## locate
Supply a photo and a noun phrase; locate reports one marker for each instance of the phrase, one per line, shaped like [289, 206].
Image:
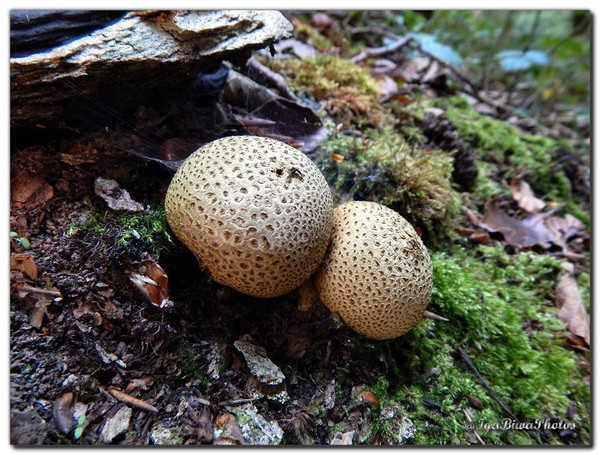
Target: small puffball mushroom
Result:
[377, 274]
[256, 213]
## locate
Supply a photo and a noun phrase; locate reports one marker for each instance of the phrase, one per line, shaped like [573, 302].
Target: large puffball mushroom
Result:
[256, 213]
[377, 274]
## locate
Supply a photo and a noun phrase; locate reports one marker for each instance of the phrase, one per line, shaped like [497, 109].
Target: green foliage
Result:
[23, 241]
[80, 427]
[384, 168]
[481, 35]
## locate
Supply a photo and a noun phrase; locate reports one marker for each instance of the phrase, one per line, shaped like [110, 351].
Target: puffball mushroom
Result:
[377, 274]
[256, 212]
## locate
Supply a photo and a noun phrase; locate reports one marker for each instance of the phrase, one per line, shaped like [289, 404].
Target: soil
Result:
[95, 332]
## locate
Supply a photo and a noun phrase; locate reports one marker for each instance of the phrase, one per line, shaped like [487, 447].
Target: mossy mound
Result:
[512, 152]
[383, 167]
[345, 91]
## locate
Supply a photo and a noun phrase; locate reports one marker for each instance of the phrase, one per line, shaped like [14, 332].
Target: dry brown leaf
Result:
[36, 318]
[564, 228]
[533, 229]
[83, 308]
[572, 309]
[292, 120]
[152, 281]
[25, 263]
[63, 413]
[526, 232]
[296, 47]
[30, 190]
[228, 430]
[523, 194]
[412, 69]
[475, 402]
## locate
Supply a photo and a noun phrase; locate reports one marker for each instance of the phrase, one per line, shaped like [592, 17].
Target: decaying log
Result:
[164, 47]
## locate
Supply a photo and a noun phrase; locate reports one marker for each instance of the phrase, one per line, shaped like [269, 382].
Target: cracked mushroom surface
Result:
[377, 273]
[256, 213]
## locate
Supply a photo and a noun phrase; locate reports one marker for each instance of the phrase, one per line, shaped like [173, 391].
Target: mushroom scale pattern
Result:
[256, 212]
[377, 273]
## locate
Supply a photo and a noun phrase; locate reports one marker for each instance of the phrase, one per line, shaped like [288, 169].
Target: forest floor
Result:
[119, 337]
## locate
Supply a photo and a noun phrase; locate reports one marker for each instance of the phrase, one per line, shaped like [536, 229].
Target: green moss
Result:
[325, 73]
[518, 152]
[383, 167]
[346, 91]
[491, 300]
[150, 225]
[190, 365]
[312, 36]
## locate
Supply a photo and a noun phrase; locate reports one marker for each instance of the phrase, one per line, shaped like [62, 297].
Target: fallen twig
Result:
[132, 401]
[380, 51]
[465, 357]
[474, 432]
[256, 69]
[40, 291]
[236, 402]
[433, 316]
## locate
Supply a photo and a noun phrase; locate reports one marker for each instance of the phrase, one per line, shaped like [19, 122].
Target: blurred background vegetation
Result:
[536, 61]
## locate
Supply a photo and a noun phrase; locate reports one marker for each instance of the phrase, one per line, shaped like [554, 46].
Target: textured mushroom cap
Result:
[377, 274]
[256, 213]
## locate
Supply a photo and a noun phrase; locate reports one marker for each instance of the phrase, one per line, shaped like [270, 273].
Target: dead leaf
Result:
[84, 308]
[412, 69]
[525, 232]
[475, 402]
[564, 228]
[572, 309]
[533, 229]
[139, 383]
[30, 190]
[25, 263]
[116, 197]
[227, 430]
[178, 148]
[36, 318]
[298, 342]
[477, 235]
[294, 121]
[523, 194]
[387, 87]
[63, 413]
[112, 311]
[295, 47]
[368, 397]
[152, 281]
[321, 21]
